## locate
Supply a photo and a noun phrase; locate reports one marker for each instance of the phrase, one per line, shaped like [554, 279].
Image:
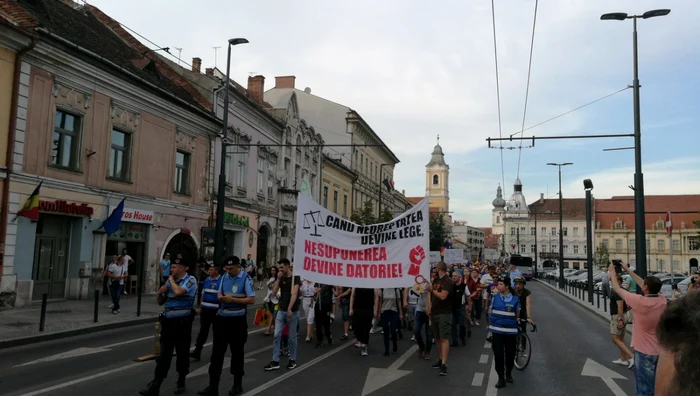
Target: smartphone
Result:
[618, 266]
[674, 286]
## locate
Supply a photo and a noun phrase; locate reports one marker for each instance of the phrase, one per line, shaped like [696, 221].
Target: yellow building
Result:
[336, 192]
[437, 184]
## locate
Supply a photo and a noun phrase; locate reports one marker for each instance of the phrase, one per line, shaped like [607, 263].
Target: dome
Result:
[438, 157]
[517, 202]
[499, 202]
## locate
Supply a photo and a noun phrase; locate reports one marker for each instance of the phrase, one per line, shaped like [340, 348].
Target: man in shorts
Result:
[440, 312]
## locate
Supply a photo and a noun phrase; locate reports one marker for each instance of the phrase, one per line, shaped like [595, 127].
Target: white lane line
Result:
[487, 345]
[227, 363]
[484, 359]
[127, 342]
[478, 379]
[493, 378]
[79, 380]
[299, 369]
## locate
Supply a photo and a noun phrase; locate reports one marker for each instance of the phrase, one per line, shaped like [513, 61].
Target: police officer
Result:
[209, 306]
[236, 291]
[178, 295]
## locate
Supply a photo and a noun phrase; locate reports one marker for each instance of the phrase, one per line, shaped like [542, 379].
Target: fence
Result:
[578, 289]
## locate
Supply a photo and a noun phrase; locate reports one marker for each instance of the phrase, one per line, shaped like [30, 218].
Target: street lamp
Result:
[379, 212]
[221, 189]
[639, 223]
[561, 224]
[588, 186]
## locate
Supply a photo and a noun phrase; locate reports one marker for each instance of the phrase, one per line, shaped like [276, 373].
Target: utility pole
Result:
[561, 224]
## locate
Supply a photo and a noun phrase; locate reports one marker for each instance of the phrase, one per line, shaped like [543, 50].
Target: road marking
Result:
[79, 380]
[594, 369]
[378, 378]
[227, 362]
[493, 378]
[487, 345]
[128, 342]
[65, 355]
[484, 359]
[303, 367]
[478, 379]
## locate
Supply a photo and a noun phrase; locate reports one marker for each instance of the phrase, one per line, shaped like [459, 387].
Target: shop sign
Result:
[130, 232]
[136, 215]
[71, 208]
[235, 219]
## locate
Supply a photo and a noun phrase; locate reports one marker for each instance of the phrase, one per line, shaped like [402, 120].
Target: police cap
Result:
[231, 260]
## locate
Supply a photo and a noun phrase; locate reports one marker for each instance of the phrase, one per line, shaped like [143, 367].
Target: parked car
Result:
[666, 288]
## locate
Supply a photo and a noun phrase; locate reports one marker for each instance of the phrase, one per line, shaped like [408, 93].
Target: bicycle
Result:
[523, 347]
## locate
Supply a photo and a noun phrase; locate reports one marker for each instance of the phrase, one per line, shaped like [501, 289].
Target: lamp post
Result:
[221, 189]
[588, 186]
[639, 224]
[379, 207]
[561, 224]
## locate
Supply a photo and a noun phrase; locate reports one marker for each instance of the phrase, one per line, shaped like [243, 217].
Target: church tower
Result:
[437, 176]
[499, 208]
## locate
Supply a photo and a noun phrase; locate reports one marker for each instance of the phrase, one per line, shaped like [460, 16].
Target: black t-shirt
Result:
[364, 299]
[325, 296]
[286, 293]
[457, 297]
[524, 295]
[438, 306]
[614, 298]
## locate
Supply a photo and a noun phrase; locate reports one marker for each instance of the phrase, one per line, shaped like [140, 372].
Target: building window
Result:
[522, 230]
[533, 230]
[661, 245]
[345, 204]
[261, 176]
[522, 248]
[618, 245]
[648, 245]
[335, 201]
[554, 249]
[693, 243]
[606, 243]
[325, 197]
[66, 139]
[633, 262]
[512, 231]
[436, 180]
[544, 231]
[554, 231]
[182, 172]
[575, 231]
[565, 248]
[229, 163]
[498, 219]
[676, 245]
[533, 248]
[120, 155]
[661, 264]
[544, 249]
[585, 249]
[270, 185]
[632, 245]
[575, 248]
[565, 230]
[241, 169]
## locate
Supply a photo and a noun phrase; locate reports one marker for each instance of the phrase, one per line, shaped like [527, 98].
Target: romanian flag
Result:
[30, 209]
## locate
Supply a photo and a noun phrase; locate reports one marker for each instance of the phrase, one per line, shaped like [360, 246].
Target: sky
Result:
[417, 69]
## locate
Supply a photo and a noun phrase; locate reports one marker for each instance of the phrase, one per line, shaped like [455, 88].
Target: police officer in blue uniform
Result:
[503, 324]
[209, 305]
[178, 295]
[236, 292]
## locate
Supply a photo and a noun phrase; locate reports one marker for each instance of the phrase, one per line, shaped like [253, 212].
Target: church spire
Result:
[438, 157]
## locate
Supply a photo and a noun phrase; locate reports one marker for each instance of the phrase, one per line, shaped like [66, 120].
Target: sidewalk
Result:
[67, 318]
[581, 298]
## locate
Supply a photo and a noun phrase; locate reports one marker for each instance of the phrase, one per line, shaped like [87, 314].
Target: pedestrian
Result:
[421, 320]
[308, 298]
[440, 313]
[322, 313]
[364, 303]
[649, 308]
[504, 312]
[605, 282]
[178, 295]
[288, 313]
[164, 268]
[209, 305]
[461, 304]
[236, 291]
[473, 283]
[116, 272]
[391, 307]
[619, 318]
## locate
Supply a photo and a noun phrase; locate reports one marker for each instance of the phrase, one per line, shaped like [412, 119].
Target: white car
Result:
[666, 288]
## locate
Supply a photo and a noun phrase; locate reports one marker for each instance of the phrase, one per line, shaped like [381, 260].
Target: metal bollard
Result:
[605, 303]
[97, 305]
[42, 318]
[156, 346]
[598, 294]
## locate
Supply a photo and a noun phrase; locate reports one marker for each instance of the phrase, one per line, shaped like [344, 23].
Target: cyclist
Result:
[525, 296]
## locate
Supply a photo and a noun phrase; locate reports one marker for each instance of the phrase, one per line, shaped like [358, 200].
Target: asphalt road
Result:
[568, 335]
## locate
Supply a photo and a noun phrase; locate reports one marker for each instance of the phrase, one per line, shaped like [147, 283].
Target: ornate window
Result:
[436, 180]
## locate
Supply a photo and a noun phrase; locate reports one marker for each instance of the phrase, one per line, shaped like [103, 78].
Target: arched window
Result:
[436, 180]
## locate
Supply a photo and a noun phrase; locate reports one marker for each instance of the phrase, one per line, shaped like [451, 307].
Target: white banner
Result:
[454, 256]
[434, 258]
[331, 250]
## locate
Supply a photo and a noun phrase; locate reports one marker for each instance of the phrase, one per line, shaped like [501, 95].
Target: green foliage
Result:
[439, 231]
[365, 216]
[385, 216]
[601, 258]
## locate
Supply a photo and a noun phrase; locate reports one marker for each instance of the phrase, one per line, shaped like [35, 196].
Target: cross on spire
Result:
[438, 139]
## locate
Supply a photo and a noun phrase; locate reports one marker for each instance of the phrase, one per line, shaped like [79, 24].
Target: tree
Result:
[439, 231]
[385, 216]
[364, 216]
[601, 258]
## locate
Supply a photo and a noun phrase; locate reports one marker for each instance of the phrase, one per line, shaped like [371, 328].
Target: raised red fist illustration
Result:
[416, 256]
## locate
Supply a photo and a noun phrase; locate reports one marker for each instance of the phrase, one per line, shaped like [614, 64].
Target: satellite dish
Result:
[307, 90]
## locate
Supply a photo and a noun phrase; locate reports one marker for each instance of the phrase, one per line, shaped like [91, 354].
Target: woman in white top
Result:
[270, 300]
[308, 295]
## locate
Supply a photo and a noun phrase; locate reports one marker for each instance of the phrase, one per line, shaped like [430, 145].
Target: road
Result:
[568, 336]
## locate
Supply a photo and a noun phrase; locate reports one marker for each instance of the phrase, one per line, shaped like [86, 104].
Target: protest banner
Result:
[332, 250]
[435, 258]
[454, 256]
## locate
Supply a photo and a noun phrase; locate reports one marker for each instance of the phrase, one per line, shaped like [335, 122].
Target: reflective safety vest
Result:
[502, 317]
[210, 291]
[180, 306]
[234, 287]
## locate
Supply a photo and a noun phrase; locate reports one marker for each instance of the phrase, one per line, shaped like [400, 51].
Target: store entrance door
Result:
[51, 256]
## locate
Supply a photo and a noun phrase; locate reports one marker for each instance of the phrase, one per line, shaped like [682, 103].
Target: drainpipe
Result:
[5, 210]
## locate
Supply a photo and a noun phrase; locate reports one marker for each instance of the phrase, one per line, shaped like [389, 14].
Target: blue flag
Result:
[111, 225]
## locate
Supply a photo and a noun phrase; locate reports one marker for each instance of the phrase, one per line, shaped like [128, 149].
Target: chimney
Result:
[285, 81]
[196, 65]
[541, 197]
[256, 88]
[209, 71]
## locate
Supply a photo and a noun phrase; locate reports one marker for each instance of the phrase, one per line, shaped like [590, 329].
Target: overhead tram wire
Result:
[498, 88]
[527, 86]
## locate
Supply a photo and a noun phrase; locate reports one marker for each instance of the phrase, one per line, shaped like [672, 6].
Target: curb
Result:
[20, 341]
[586, 305]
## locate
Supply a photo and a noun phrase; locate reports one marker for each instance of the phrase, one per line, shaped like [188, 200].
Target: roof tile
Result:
[684, 210]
